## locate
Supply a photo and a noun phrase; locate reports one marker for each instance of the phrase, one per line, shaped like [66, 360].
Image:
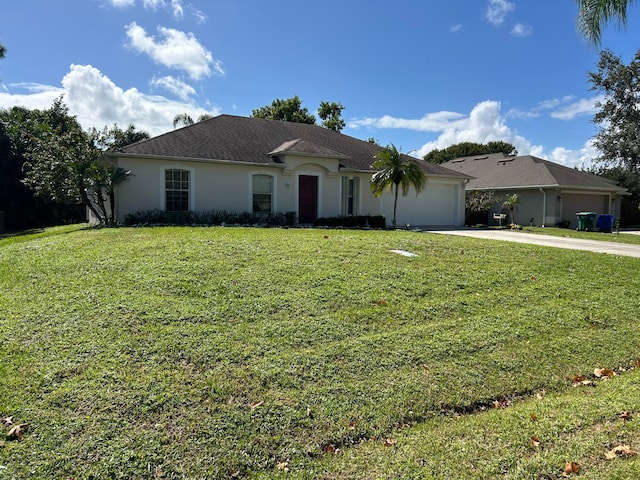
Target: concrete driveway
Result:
[598, 246]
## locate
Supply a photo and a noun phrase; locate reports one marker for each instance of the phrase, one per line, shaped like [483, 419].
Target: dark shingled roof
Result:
[304, 148]
[255, 140]
[499, 170]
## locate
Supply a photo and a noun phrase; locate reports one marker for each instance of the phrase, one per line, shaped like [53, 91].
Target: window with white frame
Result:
[176, 188]
[262, 193]
[350, 195]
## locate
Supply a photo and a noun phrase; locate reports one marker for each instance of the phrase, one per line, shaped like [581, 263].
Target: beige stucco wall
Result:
[226, 186]
[214, 187]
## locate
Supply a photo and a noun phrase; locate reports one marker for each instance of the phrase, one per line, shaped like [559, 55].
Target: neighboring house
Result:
[245, 164]
[550, 194]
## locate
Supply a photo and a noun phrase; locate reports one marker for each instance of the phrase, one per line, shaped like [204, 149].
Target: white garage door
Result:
[437, 204]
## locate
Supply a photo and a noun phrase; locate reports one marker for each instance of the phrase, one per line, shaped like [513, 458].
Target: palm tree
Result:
[115, 176]
[512, 202]
[594, 14]
[396, 170]
[184, 119]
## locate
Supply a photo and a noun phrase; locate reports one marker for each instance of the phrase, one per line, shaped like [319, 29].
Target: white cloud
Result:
[483, 124]
[431, 122]
[565, 108]
[497, 11]
[97, 101]
[178, 10]
[29, 95]
[579, 108]
[153, 4]
[201, 17]
[522, 114]
[521, 30]
[581, 158]
[175, 49]
[455, 28]
[554, 102]
[179, 88]
[122, 3]
[176, 6]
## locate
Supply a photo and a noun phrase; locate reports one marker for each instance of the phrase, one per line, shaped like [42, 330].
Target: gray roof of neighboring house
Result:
[501, 171]
[255, 140]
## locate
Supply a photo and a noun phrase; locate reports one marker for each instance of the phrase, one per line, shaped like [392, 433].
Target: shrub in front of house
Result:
[356, 221]
[379, 222]
[212, 217]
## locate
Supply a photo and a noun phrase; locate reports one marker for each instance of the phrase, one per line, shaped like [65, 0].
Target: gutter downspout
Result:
[544, 205]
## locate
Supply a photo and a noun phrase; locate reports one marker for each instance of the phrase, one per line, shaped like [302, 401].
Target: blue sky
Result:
[416, 73]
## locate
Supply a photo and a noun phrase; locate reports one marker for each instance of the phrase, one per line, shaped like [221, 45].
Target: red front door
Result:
[307, 198]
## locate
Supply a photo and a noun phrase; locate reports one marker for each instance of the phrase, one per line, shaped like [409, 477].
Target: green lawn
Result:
[303, 353]
[600, 236]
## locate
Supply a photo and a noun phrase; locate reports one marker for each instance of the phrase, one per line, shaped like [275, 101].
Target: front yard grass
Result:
[259, 353]
[570, 233]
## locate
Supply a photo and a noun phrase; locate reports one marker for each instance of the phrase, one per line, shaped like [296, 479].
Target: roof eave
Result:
[617, 190]
[191, 159]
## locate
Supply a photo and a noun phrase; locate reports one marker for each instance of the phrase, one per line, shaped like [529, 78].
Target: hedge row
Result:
[357, 221]
[214, 217]
[221, 217]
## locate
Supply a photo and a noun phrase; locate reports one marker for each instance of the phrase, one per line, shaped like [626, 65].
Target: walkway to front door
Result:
[307, 198]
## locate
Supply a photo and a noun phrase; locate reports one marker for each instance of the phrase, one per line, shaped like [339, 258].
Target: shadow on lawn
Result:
[25, 235]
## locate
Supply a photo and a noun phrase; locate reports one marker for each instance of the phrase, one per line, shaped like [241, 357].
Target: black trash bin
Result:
[585, 220]
[605, 223]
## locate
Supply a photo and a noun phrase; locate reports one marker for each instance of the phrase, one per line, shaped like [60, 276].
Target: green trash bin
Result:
[585, 220]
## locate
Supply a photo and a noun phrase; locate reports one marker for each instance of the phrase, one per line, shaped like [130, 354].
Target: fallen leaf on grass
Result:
[256, 405]
[501, 403]
[603, 372]
[352, 425]
[331, 449]
[284, 466]
[16, 432]
[389, 442]
[579, 380]
[626, 416]
[570, 468]
[7, 420]
[620, 451]
[533, 417]
[535, 441]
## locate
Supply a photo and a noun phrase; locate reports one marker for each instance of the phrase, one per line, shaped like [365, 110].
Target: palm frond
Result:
[593, 15]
